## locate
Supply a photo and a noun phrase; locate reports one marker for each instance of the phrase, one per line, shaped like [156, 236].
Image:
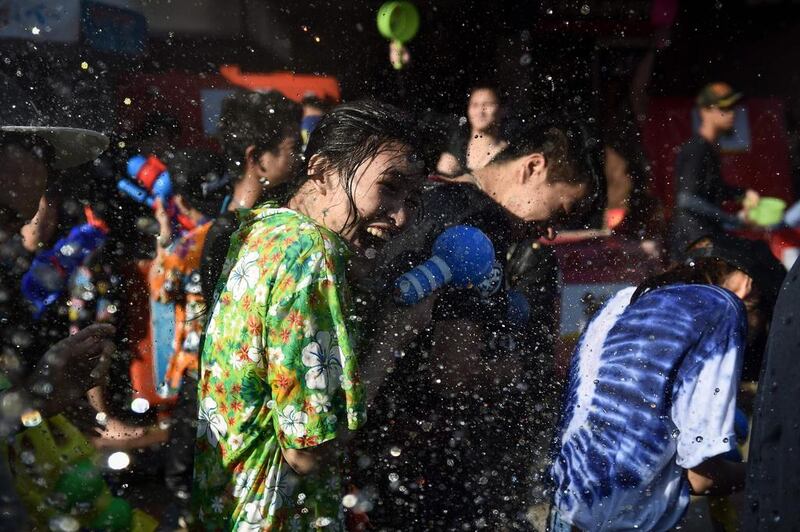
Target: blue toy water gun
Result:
[150, 181]
[50, 270]
[462, 255]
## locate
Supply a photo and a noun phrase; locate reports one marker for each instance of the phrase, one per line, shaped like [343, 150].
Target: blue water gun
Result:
[50, 270]
[150, 181]
[462, 255]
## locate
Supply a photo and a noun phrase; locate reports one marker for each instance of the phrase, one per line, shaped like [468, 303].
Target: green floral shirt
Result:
[278, 372]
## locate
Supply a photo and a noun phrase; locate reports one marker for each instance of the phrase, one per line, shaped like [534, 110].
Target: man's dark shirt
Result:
[464, 449]
[215, 250]
[698, 175]
[773, 472]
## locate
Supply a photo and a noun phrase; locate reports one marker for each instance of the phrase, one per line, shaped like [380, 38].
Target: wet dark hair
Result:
[706, 270]
[567, 151]
[259, 119]
[353, 133]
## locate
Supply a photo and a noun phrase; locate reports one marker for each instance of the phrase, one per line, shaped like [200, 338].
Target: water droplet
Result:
[119, 460]
[31, 418]
[140, 405]
[349, 500]
[395, 451]
[698, 439]
[64, 523]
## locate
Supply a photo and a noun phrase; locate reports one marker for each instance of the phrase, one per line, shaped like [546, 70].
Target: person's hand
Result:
[71, 367]
[164, 223]
[751, 199]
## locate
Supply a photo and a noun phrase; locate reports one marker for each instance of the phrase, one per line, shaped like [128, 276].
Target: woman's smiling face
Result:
[381, 189]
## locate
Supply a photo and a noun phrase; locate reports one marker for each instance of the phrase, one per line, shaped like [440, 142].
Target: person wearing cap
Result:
[36, 385]
[699, 187]
[651, 394]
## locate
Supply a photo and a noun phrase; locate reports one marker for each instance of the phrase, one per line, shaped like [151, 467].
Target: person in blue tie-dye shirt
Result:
[651, 395]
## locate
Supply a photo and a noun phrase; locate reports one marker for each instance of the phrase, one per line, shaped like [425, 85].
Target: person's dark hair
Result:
[323, 104]
[353, 133]
[196, 176]
[258, 119]
[486, 86]
[706, 270]
[567, 151]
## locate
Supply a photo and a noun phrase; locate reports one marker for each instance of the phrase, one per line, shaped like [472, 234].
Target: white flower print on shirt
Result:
[275, 355]
[320, 402]
[256, 352]
[235, 441]
[293, 421]
[278, 488]
[253, 517]
[324, 360]
[211, 423]
[244, 275]
[244, 483]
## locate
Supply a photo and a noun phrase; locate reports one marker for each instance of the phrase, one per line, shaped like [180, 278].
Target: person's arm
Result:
[64, 373]
[312, 369]
[705, 209]
[717, 476]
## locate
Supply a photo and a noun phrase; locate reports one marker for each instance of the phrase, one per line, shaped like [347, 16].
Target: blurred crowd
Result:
[226, 340]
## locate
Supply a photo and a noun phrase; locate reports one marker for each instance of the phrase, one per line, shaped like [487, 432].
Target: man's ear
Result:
[533, 166]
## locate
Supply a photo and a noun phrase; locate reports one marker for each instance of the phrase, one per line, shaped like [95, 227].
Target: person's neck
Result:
[246, 192]
[302, 203]
[708, 132]
[488, 135]
[489, 180]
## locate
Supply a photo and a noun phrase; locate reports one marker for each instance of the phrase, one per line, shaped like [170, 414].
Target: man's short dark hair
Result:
[567, 150]
[259, 119]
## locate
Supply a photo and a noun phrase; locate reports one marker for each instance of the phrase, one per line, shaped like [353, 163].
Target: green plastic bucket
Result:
[398, 21]
[768, 211]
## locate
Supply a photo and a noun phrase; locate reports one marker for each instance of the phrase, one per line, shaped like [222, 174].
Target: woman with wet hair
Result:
[280, 373]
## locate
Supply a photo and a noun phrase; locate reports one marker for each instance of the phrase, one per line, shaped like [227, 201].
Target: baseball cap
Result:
[753, 257]
[718, 94]
[21, 114]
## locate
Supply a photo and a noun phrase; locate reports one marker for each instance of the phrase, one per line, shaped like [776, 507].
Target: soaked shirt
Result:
[651, 392]
[279, 371]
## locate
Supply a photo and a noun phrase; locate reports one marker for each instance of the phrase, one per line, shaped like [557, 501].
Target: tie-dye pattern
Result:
[651, 391]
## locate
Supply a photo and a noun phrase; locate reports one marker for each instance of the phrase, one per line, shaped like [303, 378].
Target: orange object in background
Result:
[614, 217]
[193, 99]
[293, 86]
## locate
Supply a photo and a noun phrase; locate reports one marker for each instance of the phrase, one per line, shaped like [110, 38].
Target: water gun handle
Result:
[413, 286]
[137, 193]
